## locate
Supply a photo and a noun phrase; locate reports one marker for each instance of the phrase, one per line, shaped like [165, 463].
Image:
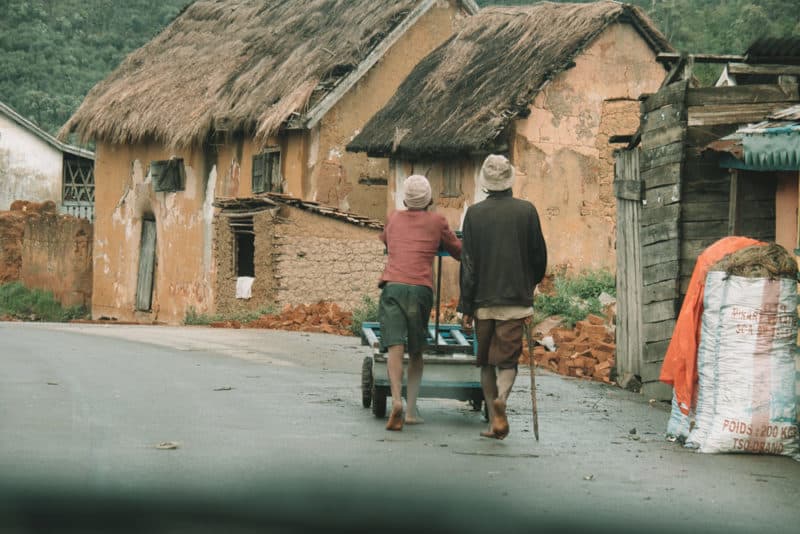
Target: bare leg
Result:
[394, 368]
[505, 381]
[415, 366]
[489, 386]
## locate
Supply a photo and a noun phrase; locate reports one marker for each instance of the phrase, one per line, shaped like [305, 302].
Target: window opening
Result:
[78, 180]
[244, 246]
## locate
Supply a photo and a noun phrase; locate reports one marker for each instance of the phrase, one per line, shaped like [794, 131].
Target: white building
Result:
[36, 166]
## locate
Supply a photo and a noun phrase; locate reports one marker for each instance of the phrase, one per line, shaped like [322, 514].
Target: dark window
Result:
[267, 172]
[168, 175]
[244, 246]
[452, 182]
[147, 264]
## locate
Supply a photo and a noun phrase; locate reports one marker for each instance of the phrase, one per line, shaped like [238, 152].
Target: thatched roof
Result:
[461, 97]
[238, 65]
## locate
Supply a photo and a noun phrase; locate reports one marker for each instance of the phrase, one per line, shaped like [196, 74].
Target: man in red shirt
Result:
[412, 238]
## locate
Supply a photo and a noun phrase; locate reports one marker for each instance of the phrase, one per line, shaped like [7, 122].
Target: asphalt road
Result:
[269, 426]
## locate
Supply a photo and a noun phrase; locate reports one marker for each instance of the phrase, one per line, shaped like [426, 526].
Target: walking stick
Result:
[529, 328]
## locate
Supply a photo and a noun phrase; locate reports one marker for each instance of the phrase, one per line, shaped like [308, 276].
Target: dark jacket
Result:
[504, 254]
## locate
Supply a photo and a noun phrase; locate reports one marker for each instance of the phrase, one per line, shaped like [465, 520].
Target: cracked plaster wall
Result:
[561, 151]
[184, 274]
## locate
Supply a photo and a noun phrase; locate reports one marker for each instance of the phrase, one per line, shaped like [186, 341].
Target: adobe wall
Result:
[334, 173]
[57, 256]
[184, 272]
[263, 289]
[12, 231]
[320, 258]
[561, 152]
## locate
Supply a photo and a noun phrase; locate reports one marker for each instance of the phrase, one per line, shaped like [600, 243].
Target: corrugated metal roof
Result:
[770, 145]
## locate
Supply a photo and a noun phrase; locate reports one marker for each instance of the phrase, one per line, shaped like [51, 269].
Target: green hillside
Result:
[53, 51]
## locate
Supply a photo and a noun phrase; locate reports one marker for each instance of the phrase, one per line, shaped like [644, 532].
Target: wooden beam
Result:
[732, 113]
[733, 206]
[741, 94]
[761, 69]
[672, 57]
[672, 94]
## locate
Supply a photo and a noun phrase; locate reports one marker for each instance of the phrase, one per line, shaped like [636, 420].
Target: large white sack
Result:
[746, 367]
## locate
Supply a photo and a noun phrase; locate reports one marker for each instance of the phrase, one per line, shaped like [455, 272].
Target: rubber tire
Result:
[366, 382]
[378, 403]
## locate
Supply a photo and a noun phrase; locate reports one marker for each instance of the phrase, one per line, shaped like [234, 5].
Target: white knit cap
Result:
[497, 173]
[417, 192]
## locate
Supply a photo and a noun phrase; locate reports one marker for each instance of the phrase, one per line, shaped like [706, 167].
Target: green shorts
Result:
[403, 312]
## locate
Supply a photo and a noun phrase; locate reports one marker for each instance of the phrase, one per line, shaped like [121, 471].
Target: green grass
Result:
[194, 318]
[19, 302]
[575, 296]
[366, 312]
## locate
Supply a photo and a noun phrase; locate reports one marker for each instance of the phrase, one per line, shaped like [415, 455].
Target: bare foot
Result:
[395, 418]
[411, 420]
[500, 423]
[489, 434]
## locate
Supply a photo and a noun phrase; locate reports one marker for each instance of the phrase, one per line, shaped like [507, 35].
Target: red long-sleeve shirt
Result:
[412, 239]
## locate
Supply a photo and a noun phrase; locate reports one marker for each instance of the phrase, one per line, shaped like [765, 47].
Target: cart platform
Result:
[450, 370]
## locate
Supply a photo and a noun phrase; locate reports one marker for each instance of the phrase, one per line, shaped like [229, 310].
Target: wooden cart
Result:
[449, 358]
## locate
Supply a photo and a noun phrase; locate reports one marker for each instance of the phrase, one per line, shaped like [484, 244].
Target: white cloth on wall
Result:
[244, 287]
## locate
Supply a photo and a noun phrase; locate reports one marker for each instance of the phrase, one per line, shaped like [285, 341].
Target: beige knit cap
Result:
[417, 192]
[497, 173]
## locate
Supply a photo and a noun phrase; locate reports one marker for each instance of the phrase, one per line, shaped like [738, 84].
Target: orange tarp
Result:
[680, 363]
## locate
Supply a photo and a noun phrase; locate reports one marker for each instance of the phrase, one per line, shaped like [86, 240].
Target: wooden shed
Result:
[674, 198]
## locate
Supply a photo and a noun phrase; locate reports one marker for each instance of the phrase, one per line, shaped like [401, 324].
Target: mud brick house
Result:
[236, 98]
[688, 179]
[291, 251]
[37, 167]
[546, 85]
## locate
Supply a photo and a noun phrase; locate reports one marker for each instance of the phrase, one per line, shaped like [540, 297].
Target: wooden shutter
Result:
[275, 171]
[259, 173]
[147, 263]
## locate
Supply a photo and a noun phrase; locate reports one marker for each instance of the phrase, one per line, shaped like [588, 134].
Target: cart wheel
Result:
[476, 404]
[378, 402]
[366, 382]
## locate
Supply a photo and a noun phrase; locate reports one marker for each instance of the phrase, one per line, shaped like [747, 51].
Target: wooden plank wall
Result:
[713, 112]
[663, 137]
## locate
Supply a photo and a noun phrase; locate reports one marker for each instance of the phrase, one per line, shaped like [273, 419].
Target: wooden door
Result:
[147, 263]
[628, 190]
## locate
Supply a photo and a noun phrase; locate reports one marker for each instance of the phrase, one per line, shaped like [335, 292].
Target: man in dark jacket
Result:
[503, 258]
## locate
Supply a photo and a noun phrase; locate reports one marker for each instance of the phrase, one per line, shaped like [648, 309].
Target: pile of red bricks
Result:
[587, 351]
[323, 317]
